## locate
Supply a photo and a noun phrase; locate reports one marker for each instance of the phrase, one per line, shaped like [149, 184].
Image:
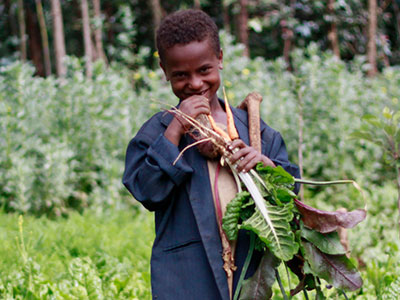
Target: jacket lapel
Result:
[200, 195]
[201, 200]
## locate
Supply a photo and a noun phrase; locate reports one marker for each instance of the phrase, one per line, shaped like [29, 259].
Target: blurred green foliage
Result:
[105, 254]
[128, 26]
[63, 141]
[96, 255]
[62, 148]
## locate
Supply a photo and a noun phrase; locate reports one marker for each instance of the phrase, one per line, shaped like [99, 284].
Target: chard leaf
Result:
[276, 185]
[337, 270]
[326, 242]
[324, 221]
[261, 208]
[232, 214]
[283, 245]
[285, 195]
[276, 175]
[258, 287]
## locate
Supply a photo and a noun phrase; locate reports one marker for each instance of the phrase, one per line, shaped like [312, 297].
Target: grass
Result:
[113, 247]
[106, 254]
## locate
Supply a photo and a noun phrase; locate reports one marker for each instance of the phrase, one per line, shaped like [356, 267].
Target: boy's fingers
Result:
[237, 144]
[196, 100]
[244, 157]
[195, 105]
[248, 162]
[238, 157]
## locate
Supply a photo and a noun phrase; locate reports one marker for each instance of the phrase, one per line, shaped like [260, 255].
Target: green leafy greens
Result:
[299, 235]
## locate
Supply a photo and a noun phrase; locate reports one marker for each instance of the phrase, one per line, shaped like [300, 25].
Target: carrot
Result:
[233, 134]
[217, 129]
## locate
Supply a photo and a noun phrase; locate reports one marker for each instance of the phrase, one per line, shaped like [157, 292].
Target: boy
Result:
[186, 258]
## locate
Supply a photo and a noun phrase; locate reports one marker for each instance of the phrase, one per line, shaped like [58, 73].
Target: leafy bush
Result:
[89, 256]
[331, 97]
[63, 141]
[111, 249]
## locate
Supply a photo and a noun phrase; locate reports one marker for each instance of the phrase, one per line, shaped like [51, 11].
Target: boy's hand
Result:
[247, 157]
[191, 106]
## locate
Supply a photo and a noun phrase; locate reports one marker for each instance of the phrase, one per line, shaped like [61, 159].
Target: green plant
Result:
[384, 131]
[302, 237]
[63, 143]
[97, 255]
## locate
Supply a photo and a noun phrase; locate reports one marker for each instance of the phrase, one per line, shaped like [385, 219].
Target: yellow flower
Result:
[137, 76]
[227, 83]
[152, 75]
[395, 100]
[230, 95]
[245, 72]
[384, 90]
[387, 113]
[153, 106]
[155, 54]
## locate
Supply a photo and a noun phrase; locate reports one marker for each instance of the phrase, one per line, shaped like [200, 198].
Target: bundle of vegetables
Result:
[304, 238]
[289, 231]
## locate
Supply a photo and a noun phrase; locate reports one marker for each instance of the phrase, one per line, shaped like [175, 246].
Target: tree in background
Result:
[98, 31]
[225, 15]
[243, 27]
[396, 10]
[44, 37]
[87, 41]
[267, 28]
[288, 34]
[372, 23]
[22, 29]
[58, 38]
[157, 14]
[332, 33]
[35, 49]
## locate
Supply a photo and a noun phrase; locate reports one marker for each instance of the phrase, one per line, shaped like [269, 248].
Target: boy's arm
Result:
[149, 174]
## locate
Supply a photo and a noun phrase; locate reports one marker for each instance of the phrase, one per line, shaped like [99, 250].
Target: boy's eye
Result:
[179, 75]
[205, 69]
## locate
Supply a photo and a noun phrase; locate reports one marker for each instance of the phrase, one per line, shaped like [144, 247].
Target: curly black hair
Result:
[185, 26]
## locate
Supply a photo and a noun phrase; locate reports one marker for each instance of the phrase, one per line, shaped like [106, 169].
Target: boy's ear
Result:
[220, 58]
[163, 68]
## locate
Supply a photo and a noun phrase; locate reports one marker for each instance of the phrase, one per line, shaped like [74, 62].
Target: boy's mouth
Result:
[202, 93]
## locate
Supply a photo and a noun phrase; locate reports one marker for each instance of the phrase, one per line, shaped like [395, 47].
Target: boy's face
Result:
[193, 69]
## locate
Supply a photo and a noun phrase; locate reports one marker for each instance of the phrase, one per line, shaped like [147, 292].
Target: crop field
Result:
[96, 255]
[69, 229]
[106, 254]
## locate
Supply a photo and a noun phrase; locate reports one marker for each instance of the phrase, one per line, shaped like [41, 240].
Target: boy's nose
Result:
[195, 82]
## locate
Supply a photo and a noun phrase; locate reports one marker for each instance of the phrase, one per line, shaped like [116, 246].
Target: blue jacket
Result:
[186, 260]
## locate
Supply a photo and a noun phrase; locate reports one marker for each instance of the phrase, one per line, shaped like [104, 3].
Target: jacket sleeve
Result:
[275, 149]
[150, 175]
